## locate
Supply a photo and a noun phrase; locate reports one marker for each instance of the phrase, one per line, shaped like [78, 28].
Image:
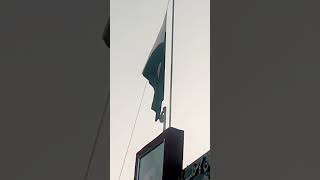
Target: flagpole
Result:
[171, 64]
[164, 119]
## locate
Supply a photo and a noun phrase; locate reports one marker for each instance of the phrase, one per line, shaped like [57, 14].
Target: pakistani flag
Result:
[154, 69]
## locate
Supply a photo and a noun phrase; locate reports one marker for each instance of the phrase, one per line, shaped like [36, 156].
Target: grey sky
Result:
[134, 28]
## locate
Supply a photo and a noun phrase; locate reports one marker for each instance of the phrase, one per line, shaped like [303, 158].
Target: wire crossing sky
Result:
[134, 29]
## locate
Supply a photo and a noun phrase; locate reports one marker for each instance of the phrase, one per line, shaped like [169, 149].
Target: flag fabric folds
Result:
[154, 70]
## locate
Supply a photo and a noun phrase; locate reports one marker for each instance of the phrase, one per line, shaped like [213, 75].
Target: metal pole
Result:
[164, 124]
[163, 117]
[171, 64]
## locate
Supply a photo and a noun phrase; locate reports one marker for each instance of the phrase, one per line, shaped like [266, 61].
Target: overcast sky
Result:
[134, 28]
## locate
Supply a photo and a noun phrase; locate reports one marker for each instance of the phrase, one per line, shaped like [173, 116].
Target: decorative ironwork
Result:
[198, 170]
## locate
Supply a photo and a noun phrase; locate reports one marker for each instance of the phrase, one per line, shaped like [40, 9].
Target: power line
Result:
[106, 37]
[134, 125]
[97, 137]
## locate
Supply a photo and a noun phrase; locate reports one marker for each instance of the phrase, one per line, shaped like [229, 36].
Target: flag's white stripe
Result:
[161, 35]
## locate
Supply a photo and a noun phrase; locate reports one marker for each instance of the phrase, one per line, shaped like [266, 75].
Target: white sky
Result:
[134, 28]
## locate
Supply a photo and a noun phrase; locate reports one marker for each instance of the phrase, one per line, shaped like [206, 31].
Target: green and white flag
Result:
[154, 69]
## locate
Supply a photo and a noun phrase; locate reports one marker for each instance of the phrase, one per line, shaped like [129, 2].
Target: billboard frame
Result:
[173, 140]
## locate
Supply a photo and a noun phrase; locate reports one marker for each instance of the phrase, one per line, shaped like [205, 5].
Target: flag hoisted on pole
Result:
[154, 69]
